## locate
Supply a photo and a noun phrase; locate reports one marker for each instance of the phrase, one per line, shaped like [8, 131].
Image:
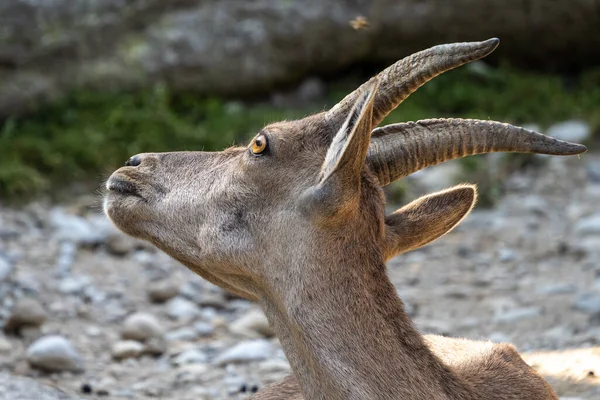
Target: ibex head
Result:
[303, 192]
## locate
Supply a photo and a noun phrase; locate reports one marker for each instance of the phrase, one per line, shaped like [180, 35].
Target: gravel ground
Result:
[103, 316]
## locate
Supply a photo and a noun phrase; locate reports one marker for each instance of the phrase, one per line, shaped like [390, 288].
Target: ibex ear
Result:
[427, 218]
[341, 170]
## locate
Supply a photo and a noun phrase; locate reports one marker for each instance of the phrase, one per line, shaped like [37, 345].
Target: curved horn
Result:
[401, 79]
[400, 149]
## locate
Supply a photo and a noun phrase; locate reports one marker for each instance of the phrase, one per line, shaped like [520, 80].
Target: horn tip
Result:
[568, 149]
[491, 44]
[578, 148]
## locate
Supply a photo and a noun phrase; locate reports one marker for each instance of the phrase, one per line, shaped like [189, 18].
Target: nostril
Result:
[133, 161]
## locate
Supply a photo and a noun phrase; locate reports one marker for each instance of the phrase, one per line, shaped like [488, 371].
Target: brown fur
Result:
[476, 361]
[301, 229]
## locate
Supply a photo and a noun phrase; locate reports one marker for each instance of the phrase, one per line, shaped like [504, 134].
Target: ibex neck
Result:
[347, 336]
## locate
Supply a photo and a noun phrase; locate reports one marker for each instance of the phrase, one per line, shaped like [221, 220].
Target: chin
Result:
[124, 212]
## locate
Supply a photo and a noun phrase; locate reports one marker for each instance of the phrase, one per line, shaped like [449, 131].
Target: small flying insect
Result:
[360, 22]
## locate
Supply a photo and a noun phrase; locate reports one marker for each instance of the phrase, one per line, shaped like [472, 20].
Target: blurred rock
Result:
[204, 328]
[6, 269]
[66, 256]
[253, 324]
[517, 314]
[440, 177]
[13, 387]
[27, 313]
[252, 350]
[185, 334]
[593, 169]
[5, 345]
[589, 225]
[155, 346]
[76, 229]
[435, 326]
[163, 290]
[499, 337]
[308, 92]
[192, 356]
[182, 309]
[74, 284]
[571, 131]
[556, 288]
[54, 353]
[215, 299]
[141, 326]
[588, 303]
[190, 373]
[120, 244]
[506, 255]
[127, 349]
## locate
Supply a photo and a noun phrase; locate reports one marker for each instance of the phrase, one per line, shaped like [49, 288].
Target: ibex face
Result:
[226, 214]
[309, 190]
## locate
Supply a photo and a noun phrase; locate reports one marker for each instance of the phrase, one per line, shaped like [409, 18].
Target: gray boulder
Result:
[231, 47]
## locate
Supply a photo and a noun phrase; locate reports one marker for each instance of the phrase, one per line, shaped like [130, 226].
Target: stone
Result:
[191, 356]
[506, 255]
[65, 259]
[198, 45]
[27, 313]
[251, 350]
[14, 387]
[120, 244]
[435, 326]
[6, 269]
[183, 334]
[556, 289]
[593, 169]
[253, 324]
[310, 90]
[155, 346]
[163, 290]
[141, 326]
[499, 337]
[5, 346]
[54, 353]
[213, 299]
[588, 303]
[571, 131]
[191, 373]
[204, 328]
[74, 284]
[126, 349]
[181, 309]
[75, 228]
[440, 177]
[558, 332]
[517, 314]
[589, 225]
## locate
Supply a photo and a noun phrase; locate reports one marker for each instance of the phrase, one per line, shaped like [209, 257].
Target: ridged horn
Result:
[407, 75]
[399, 150]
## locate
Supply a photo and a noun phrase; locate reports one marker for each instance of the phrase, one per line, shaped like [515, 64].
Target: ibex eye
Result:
[259, 144]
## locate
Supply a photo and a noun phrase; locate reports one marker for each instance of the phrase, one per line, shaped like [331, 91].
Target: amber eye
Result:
[259, 145]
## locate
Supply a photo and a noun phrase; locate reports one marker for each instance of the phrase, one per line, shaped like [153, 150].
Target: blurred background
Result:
[85, 84]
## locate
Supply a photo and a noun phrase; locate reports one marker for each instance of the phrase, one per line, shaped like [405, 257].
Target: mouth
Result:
[120, 186]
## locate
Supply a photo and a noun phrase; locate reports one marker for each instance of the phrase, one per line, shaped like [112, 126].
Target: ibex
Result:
[296, 222]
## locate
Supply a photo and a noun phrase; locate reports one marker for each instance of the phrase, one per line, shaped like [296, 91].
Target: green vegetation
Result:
[89, 133]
